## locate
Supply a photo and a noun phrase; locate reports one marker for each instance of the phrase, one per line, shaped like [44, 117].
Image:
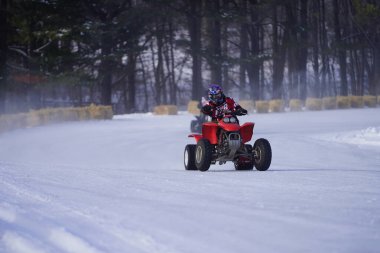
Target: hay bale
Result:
[87, 113]
[90, 112]
[192, 107]
[313, 104]
[106, 111]
[166, 110]
[295, 105]
[329, 103]
[343, 102]
[249, 105]
[19, 120]
[12, 121]
[262, 106]
[70, 114]
[34, 118]
[369, 101]
[50, 115]
[356, 101]
[96, 112]
[276, 105]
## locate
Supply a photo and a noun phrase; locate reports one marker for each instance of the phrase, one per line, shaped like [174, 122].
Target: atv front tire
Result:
[203, 155]
[262, 153]
[189, 157]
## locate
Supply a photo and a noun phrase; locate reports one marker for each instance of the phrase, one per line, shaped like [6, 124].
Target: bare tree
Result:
[340, 49]
[243, 49]
[303, 49]
[194, 16]
[214, 52]
[3, 53]
[278, 56]
[255, 60]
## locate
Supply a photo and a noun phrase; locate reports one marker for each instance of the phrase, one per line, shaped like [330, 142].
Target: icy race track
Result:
[120, 186]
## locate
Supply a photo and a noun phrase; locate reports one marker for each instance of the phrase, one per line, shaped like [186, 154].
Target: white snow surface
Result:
[120, 186]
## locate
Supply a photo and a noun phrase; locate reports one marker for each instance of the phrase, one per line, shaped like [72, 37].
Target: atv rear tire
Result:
[189, 157]
[262, 154]
[203, 155]
[245, 166]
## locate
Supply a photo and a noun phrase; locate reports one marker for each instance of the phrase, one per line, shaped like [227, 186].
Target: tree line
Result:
[135, 54]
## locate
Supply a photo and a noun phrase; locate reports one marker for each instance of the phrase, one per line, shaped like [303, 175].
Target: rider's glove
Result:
[220, 115]
[207, 109]
[240, 111]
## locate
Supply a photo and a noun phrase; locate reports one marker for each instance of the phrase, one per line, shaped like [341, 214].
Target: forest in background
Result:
[136, 54]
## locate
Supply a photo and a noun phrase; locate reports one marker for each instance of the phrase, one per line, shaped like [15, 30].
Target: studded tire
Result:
[203, 155]
[262, 154]
[189, 157]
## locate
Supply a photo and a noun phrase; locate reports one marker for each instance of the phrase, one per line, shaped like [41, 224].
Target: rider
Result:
[218, 104]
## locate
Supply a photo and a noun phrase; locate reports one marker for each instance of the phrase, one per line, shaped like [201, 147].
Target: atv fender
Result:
[246, 131]
[209, 132]
[196, 136]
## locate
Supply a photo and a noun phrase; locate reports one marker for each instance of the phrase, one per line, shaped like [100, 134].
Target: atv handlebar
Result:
[238, 112]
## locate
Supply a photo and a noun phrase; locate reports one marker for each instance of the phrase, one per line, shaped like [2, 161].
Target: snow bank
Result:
[366, 137]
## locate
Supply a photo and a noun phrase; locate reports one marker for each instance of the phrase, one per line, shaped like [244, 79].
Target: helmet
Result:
[215, 94]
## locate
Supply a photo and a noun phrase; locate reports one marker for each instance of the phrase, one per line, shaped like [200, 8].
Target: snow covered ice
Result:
[120, 186]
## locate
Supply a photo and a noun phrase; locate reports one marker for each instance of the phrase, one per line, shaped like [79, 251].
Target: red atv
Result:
[225, 140]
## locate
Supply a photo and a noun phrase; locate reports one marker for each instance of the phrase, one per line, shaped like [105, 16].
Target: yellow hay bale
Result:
[12, 121]
[70, 114]
[166, 110]
[357, 101]
[19, 120]
[369, 101]
[329, 103]
[192, 107]
[262, 106]
[343, 102]
[49, 115]
[58, 114]
[295, 105]
[106, 112]
[313, 104]
[96, 112]
[86, 113]
[249, 105]
[276, 105]
[35, 118]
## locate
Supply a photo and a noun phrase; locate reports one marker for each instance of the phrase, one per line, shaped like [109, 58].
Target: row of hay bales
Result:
[165, 110]
[53, 115]
[311, 104]
[316, 104]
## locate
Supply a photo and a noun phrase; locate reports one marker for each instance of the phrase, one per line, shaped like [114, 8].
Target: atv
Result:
[225, 140]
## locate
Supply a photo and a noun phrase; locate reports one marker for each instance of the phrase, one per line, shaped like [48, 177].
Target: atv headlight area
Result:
[229, 120]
